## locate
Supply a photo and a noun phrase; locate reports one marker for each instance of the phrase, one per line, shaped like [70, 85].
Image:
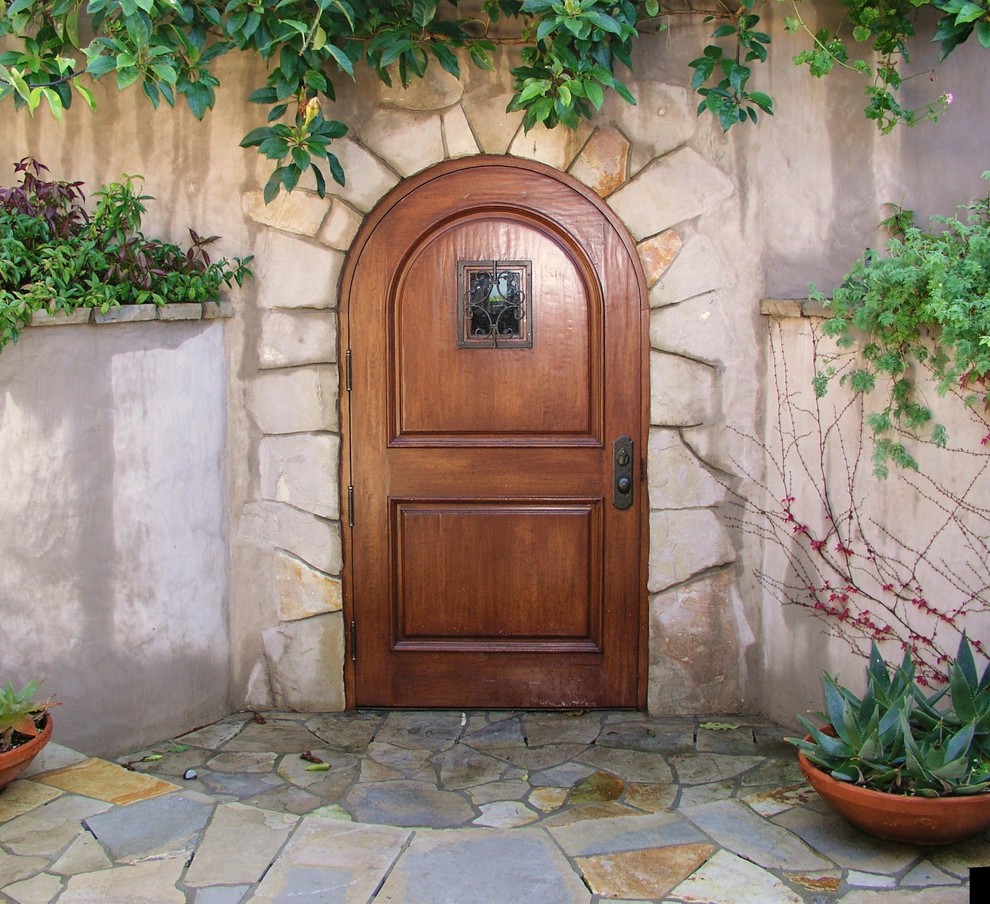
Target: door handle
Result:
[622, 472]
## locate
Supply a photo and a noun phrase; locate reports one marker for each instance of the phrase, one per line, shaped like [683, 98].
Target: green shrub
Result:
[55, 256]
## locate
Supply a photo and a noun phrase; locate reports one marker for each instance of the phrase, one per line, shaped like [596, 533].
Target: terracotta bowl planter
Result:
[14, 762]
[896, 817]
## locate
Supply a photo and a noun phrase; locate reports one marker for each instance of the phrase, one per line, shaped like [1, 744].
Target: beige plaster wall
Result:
[113, 527]
[722, 221]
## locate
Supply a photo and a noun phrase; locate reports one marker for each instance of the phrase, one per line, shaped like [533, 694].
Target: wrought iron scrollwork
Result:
[495, 304]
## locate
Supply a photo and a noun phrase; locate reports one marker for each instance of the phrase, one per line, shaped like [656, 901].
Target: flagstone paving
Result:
[466, 808]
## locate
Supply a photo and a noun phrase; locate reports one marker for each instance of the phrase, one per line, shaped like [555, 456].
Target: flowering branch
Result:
[905, 564]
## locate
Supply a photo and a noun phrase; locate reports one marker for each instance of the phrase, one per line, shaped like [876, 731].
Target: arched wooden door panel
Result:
[493, 324]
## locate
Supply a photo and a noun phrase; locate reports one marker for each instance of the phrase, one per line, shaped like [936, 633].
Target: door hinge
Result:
[353, 641]
[350, 506]
[347, 370]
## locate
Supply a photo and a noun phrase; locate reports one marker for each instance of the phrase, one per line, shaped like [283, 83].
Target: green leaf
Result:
[127, 77]
[423, 12]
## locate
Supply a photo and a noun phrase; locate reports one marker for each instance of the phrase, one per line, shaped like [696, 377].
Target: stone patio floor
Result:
[458, 807]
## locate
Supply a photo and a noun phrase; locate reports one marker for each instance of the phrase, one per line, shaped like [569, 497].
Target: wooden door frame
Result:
[364, 233]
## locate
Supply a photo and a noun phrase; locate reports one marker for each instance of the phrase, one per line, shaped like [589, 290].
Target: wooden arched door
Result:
[492, 329]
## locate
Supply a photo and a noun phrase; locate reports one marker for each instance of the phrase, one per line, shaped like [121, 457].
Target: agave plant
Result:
[899, 739]
[20, 713]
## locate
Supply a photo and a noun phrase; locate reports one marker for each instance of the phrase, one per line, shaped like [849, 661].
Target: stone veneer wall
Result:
[659, 186]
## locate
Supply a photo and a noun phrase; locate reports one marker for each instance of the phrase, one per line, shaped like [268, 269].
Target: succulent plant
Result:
[20, 713]
[900, 739]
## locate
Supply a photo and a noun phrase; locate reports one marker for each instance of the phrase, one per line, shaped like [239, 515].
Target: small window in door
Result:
[495, 304]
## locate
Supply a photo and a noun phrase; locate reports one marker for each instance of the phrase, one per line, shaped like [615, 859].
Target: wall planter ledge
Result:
[210, 310]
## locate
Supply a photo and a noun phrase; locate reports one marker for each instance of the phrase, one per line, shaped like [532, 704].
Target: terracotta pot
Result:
[899, 817]
[14, 762]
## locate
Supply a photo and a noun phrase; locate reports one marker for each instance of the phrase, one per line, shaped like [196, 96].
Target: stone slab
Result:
[216, 735]
[625, 833]
[61, 318]
[238, 846]
[728, 879]
[698, 329]
[684, 543]
[457, 134]
[629, 765]
[505, 814]
[275, 735]
[603, 162]
[468, 867]
[128, 313]
[554, 147]
[944, 895]
[296, 400]
[181, 311]
[50, 828]
[40, 889]
[222, 894]
[53, 756]
[368, 178]
[340, 226]
[736, 827]
[407, 141]
[307, 536]
[349, 731]
[293, 272]
[408, 803]
[332, 863]
[649, 873]
[305, 663]
[300, 470]
[23, 796]
[237, 761]
[561, 728]
[677, 478]
[698, 269]
[106, 781]
[421, 731]
[296, 337]
[161, 826]
[298, 211]
[683, 393]
[678, 187]
[830, 835]
[151, 882]
[84, 855]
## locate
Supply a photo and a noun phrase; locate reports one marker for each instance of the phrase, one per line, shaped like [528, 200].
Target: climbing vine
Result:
[568, 60]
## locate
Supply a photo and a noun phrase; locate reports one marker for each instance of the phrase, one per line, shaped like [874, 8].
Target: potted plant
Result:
[25, 728]
[902, 763]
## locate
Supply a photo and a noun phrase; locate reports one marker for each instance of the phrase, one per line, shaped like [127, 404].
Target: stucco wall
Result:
[722, 220]
[113, 527]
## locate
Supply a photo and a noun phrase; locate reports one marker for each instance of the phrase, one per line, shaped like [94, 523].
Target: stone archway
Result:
[658, 187]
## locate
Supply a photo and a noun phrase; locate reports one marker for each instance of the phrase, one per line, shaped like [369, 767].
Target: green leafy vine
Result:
[926, 303]
[570, 57]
